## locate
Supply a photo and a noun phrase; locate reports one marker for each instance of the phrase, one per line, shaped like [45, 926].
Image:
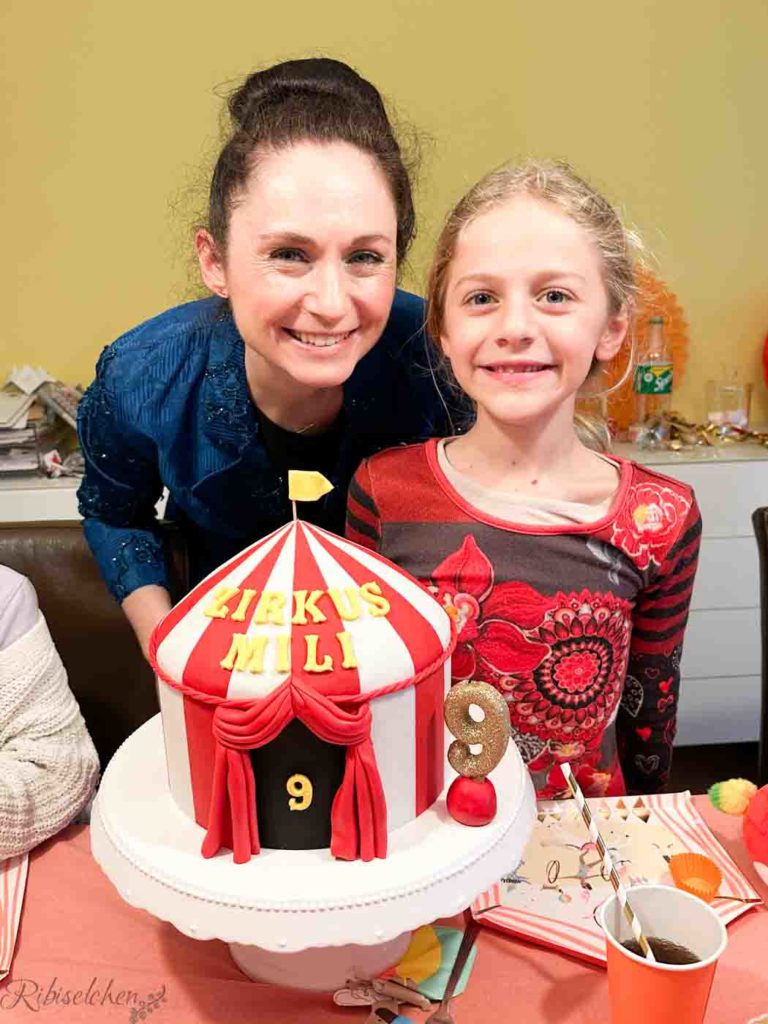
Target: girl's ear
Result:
[445, 347]
[613, 336]
[211, 266]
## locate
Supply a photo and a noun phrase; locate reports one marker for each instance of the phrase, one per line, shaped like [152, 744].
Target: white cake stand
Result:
[298, 917]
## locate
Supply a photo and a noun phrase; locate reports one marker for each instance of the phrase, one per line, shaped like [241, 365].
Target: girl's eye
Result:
[289, 255]
[366, 256]
[480, 299]
[556, 297]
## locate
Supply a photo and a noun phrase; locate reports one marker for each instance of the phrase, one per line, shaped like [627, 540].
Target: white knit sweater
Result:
[48, 764]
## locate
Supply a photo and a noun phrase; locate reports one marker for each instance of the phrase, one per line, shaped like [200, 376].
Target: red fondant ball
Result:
[756, 826]
[471, 801]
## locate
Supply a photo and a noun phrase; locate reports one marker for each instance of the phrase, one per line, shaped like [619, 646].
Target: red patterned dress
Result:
[579, 626]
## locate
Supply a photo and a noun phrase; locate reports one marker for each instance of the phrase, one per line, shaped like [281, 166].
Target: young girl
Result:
[568, 572]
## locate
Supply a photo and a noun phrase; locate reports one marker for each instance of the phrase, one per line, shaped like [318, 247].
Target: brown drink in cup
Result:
[641, 991]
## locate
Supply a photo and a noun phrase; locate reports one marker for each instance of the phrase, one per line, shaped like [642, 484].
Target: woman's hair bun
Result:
[316, 100]
[294, 79]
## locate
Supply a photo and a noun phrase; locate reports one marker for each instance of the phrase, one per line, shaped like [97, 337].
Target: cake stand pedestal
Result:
[298, 917]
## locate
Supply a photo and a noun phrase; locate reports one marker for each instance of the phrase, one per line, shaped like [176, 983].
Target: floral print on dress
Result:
[648, 521]
[558, 660]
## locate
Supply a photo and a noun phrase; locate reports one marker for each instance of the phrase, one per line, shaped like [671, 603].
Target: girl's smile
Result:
[519, 373]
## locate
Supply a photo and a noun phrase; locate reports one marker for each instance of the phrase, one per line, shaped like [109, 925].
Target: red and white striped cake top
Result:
[305, 604]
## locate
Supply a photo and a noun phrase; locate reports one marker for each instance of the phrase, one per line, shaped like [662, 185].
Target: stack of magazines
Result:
[18, 437]
[19, 451]
[37, 425]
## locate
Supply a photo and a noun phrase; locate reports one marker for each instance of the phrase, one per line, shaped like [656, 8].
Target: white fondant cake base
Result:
[289, 900]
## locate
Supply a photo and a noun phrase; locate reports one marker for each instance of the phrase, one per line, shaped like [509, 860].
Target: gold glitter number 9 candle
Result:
[492, 733]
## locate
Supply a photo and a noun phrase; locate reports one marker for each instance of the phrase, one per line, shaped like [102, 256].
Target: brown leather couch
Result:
[107, 673]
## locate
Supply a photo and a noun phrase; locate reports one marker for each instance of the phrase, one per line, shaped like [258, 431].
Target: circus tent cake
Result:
[301, 689]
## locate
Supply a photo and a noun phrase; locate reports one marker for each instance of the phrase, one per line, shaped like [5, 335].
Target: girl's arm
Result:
[363, 522]
[647, 720]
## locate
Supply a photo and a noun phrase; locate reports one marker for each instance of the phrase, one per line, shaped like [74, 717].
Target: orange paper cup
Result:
[696, 874]
[641, 992]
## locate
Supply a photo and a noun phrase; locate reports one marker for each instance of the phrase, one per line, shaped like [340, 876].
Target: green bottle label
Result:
[653, 379]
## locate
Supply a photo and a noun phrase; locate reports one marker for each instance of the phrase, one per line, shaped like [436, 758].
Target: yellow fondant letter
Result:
[217, 609]
[283, 653]
[238, 615]
[270, 608]
[312, 664]
[306, 604]
[347, 650]
[346, 602]
[371, 594]
[246, 653]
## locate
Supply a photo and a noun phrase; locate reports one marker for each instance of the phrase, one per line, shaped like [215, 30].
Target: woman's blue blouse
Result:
[170, 409]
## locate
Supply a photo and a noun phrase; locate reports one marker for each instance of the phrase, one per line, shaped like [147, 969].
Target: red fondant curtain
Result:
[359, 813]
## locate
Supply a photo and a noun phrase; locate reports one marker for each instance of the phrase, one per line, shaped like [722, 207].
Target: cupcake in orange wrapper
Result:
[696, 874]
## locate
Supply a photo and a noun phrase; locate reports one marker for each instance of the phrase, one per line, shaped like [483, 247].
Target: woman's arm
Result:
[144, 608]
[48, 764]
[647, 719]
[121, 486]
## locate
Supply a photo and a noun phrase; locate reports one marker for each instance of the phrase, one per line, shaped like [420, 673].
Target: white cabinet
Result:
[27, 499]
[720, 696]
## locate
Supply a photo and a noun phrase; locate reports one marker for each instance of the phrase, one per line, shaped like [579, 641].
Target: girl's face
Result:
[526, 312]
[310, 263]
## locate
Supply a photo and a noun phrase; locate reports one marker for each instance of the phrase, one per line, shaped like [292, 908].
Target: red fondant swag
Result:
[359, 811]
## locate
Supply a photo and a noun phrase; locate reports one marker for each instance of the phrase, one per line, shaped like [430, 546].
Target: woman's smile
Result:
[317, 340]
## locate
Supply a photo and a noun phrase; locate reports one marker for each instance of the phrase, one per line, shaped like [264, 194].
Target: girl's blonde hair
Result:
[557, 183]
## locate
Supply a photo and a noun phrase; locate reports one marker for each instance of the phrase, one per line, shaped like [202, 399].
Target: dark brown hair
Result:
[319, 100]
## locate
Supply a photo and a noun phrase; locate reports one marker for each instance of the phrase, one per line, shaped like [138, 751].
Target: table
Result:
[77, 935]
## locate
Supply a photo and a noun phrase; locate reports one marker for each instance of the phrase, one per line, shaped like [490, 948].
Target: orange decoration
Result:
[655, 299]
[696, 874]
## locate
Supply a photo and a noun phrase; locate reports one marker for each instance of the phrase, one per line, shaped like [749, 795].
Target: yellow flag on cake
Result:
[307, 485]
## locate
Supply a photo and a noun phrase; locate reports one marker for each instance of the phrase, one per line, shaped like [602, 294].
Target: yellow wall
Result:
[109, 119]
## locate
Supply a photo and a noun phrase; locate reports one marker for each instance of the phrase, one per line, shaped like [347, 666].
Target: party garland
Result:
[673, 432]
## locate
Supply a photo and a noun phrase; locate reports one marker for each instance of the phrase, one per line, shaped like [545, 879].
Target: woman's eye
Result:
[289, 255]
[480, 299]
[556, 297]
[366, 257]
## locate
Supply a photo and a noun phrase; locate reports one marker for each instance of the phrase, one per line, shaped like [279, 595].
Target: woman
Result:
[48, 764]
[306, 357]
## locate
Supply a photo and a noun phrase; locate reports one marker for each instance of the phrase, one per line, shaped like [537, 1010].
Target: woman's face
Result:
[310, 263]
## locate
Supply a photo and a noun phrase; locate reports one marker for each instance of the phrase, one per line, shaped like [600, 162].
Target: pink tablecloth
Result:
[78, 936]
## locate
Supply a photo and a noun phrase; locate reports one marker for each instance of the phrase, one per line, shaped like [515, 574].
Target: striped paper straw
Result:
[597, 839]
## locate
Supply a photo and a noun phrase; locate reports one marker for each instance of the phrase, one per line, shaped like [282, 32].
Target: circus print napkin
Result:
[13, 882]
[552, 896]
